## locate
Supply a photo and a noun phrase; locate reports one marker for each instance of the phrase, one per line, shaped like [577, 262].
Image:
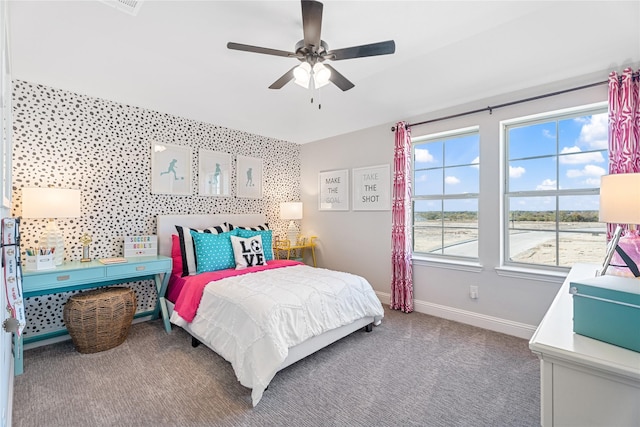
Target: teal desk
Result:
[76, 275]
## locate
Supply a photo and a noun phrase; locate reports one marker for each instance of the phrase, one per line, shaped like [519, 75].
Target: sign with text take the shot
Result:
[333, 192]
[372, 188]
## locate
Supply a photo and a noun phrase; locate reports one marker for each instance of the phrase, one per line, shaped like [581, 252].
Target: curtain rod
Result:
[506, 104]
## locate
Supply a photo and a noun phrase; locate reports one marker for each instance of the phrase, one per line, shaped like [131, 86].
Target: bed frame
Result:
[166, 227]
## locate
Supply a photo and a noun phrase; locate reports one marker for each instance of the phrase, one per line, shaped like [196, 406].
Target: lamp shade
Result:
[291, 210]
[50, 203]
[321, 75]
[620, 198]
[302, 74]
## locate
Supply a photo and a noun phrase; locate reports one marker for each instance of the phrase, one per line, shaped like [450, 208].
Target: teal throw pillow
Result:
[266, 240]
[213, 251]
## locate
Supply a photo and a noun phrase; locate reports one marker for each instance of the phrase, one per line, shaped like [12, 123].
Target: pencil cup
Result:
[39, 262]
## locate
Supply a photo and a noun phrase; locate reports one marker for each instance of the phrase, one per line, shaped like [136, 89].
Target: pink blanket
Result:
[188, 300]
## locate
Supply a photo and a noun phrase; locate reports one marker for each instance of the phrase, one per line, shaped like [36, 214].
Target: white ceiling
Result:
[172, 56]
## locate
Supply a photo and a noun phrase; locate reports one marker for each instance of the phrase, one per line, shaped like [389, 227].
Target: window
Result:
[552, 185]
[446, 187]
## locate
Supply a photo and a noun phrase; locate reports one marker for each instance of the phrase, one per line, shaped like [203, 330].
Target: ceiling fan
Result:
[312, 51]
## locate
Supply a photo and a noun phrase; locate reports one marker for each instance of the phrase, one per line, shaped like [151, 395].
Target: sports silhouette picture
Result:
[214, 173]
[170, 169]
[249, 177]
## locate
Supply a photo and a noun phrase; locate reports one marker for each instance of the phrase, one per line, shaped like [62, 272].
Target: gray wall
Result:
[360, 242]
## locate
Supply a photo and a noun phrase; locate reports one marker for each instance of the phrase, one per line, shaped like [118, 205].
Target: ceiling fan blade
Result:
[338, 79]
[373, 49]
[258, 49]
[312, 23]
[286, 78]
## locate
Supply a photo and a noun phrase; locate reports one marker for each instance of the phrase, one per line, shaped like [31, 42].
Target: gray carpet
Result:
[412, 370]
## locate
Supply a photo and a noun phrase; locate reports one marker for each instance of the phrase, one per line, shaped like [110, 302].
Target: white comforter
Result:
[253, 319]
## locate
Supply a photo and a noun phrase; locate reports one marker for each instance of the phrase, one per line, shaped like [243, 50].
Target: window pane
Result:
[531, 141]
[465, 210]
[427, 212]
[580, 213]
[427, 240]
[462, 180]
[582, 170]
[532, 213]
[461, 242]
[461, 227]
[464, 150]
[581, 247]
[584, 133]
[532, 247]
[427, 226]
[428, 182]
[533, 175]
[428, 155]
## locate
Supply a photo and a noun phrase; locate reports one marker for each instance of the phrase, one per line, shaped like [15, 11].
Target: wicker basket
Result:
[100, 319]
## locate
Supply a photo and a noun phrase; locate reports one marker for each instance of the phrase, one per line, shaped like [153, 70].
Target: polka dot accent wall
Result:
[66, 140]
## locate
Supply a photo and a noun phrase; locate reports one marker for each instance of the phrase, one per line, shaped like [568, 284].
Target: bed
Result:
[262, 318]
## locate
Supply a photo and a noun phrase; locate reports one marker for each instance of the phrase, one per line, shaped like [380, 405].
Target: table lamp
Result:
[291, 211]
[620, 204]
[51, 203]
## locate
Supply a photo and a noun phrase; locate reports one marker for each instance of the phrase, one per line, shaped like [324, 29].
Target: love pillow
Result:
[248, 252]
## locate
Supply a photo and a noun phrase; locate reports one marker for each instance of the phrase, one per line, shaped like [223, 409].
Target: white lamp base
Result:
[292, 233]
[52, 237]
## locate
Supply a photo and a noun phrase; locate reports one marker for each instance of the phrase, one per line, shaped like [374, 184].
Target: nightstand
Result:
[295, 251]
[76, 275]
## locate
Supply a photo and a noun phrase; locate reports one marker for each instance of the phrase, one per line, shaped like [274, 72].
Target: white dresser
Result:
[584, 382]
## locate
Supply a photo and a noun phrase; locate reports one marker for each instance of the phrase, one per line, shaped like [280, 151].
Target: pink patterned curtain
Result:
[402, 280]
[624, 126]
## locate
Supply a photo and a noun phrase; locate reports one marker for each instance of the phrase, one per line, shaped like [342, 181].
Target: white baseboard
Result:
[516, 329]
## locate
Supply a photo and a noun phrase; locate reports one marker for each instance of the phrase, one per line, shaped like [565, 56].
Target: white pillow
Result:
[248, 251]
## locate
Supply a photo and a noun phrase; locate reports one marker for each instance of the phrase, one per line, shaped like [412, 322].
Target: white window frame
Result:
[528, 268]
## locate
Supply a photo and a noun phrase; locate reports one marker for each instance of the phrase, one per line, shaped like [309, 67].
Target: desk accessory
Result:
[140, 246]
[115, 260]
[86, 241]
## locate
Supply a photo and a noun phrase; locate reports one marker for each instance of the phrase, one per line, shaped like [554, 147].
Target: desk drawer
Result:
[139, 269]
[59, 279]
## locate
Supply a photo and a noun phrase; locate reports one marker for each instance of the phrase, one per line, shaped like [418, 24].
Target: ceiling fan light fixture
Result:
[311, 51]
[321, 75]
[302, 74]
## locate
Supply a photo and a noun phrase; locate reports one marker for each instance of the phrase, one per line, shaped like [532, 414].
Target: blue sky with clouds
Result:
[581, 143]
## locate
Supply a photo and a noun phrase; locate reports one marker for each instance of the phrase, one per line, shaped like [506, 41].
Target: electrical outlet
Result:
[473, 292]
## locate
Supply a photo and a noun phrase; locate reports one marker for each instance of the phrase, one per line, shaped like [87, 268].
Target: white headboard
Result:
[167, 225]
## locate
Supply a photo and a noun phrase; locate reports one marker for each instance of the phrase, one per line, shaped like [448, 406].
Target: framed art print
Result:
[611, 249]
[170, 169]
[214, 173]
[333, 194]
[249, 177]
[372, 188]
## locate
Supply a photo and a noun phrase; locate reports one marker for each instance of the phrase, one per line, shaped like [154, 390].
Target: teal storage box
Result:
[607, 308]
